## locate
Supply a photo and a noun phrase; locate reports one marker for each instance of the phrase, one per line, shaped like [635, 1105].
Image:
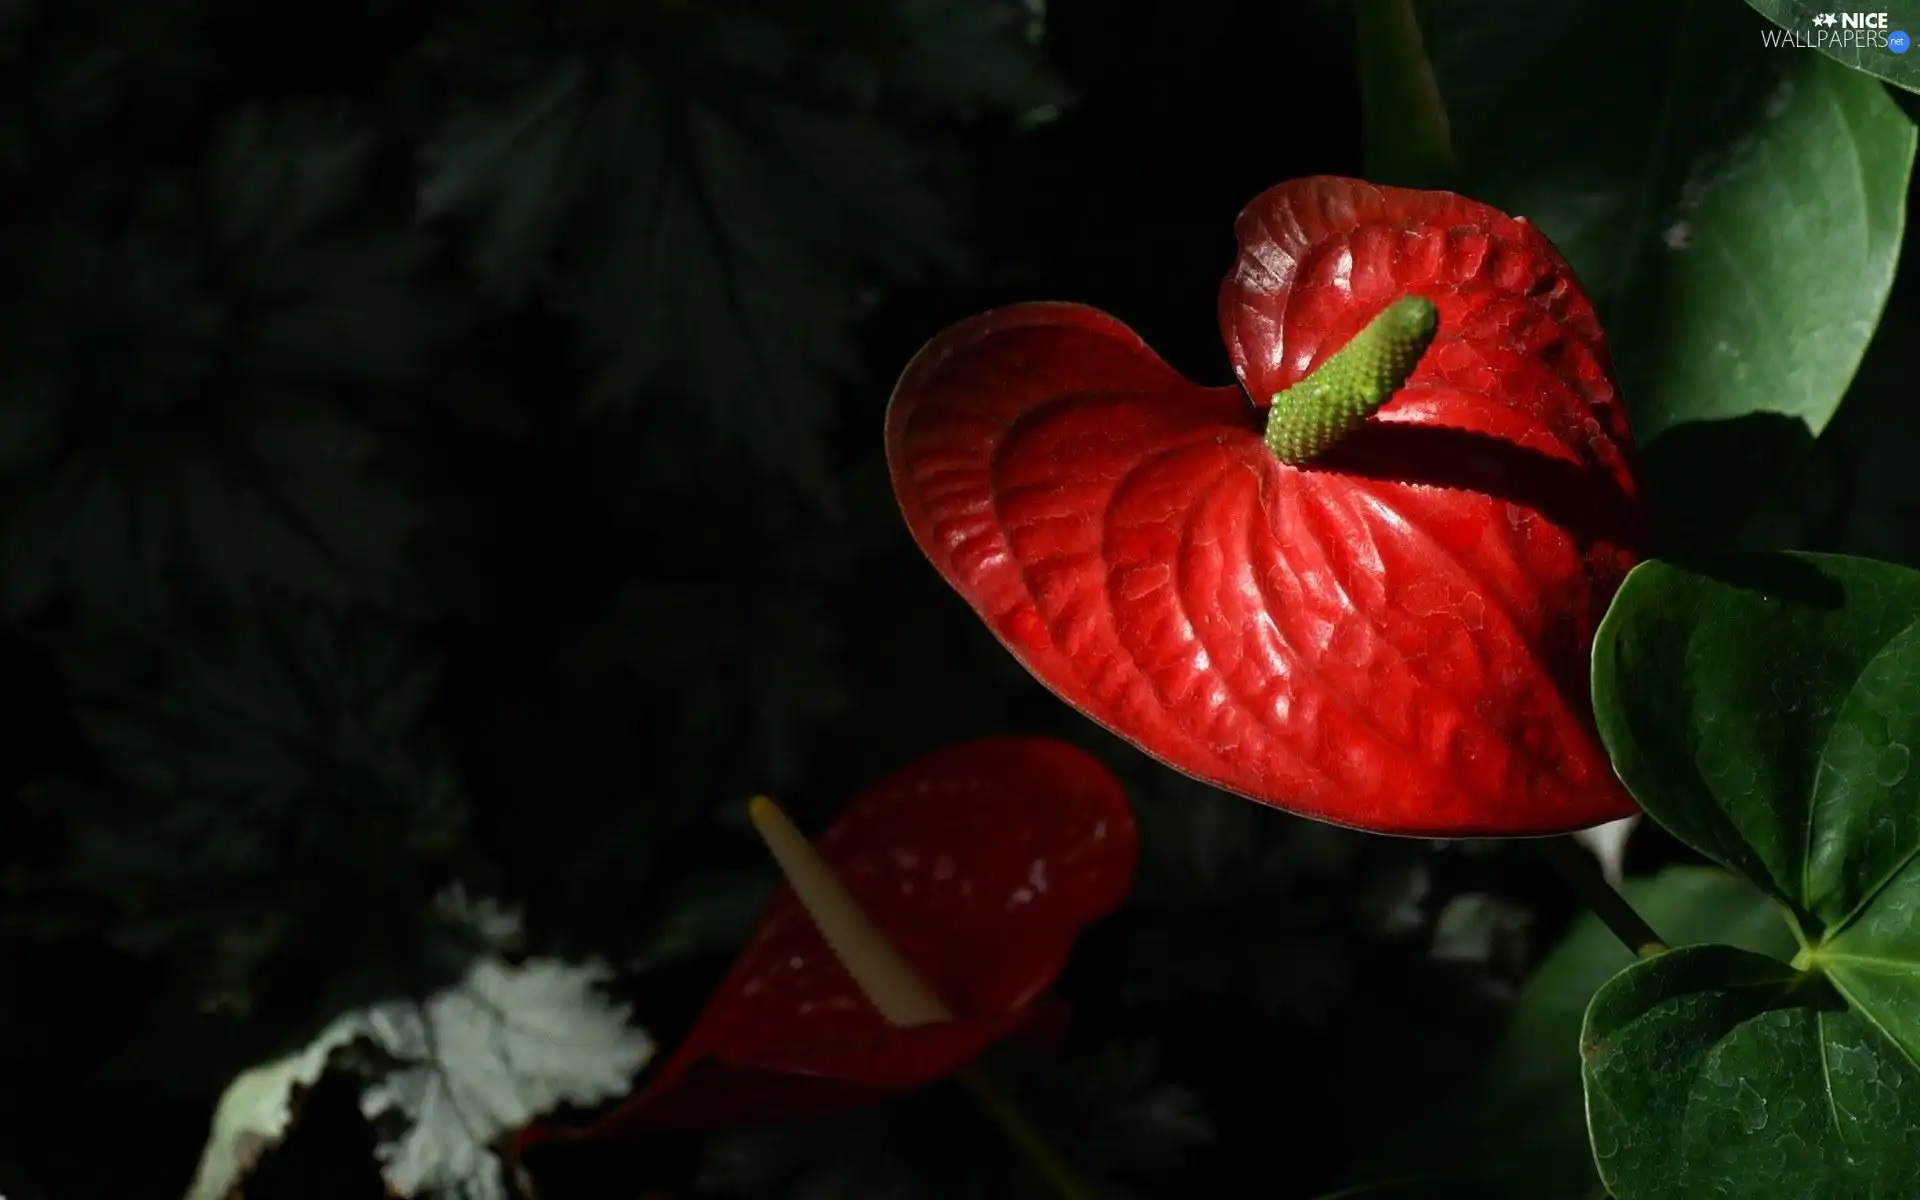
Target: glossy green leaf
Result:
[1714, 1072]
[1735, 210]
[1407, 139]
[1518, 1128]
[1862, 49]
[1763, 709]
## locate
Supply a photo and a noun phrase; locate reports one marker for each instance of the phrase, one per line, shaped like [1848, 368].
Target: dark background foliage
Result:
[439, 442]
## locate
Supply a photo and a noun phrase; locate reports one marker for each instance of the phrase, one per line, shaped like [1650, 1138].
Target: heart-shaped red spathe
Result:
[1393, 638]
[981, 862]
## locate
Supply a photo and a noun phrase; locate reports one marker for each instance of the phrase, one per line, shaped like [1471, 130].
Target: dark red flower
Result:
[1394, 636]
[981, 863]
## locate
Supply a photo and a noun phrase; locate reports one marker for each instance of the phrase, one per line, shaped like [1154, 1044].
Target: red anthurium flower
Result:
[1390, 629]
[979, 865]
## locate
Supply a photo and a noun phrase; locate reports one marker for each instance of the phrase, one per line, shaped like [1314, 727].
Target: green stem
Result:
[1582, 873]
[1353, 383]
[1045, 1159]
[1403, 121]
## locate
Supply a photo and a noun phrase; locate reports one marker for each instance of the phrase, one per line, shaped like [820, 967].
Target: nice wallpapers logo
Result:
[1847, 30]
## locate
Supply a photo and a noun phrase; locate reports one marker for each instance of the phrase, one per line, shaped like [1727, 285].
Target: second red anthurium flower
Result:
[978, 865]
[1369, 596]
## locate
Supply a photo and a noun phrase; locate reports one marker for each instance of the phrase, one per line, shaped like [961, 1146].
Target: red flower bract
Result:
[981, 863]
[1395, 637]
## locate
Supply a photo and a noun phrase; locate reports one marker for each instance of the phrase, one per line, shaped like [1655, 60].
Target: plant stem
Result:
[1582, 873]
[1032, 1142]
[1408, 139]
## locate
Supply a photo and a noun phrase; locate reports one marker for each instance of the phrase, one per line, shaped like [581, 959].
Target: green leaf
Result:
[257, 1111]
[330, 299]
[480, 1060]
[1408, 141]
[964, 55]
[714, 218]
[1737, 213]
[722, 244]
[1518, 1127]
[519, 166]
[1862, 49]
[1758, 708]
[709, 913]
[72, 75]
[1763, 709]
[447, 1076]
[177, 392]
[270, 813]
[1713, 1071]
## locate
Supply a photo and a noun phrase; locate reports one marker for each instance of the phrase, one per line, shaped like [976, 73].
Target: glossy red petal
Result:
[982, 862]
[1395, 639]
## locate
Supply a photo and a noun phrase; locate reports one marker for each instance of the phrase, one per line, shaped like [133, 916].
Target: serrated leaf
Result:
[964, 54]
[486, 1057]
[718, 238]
[1867, 50]
[475, 1060]
[296, 495]
[743, 287]
[520, 165]
[260, 786]
[81, 72]
[171, 414]
[335, 302]
[257, 1111]
[1737, 215]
